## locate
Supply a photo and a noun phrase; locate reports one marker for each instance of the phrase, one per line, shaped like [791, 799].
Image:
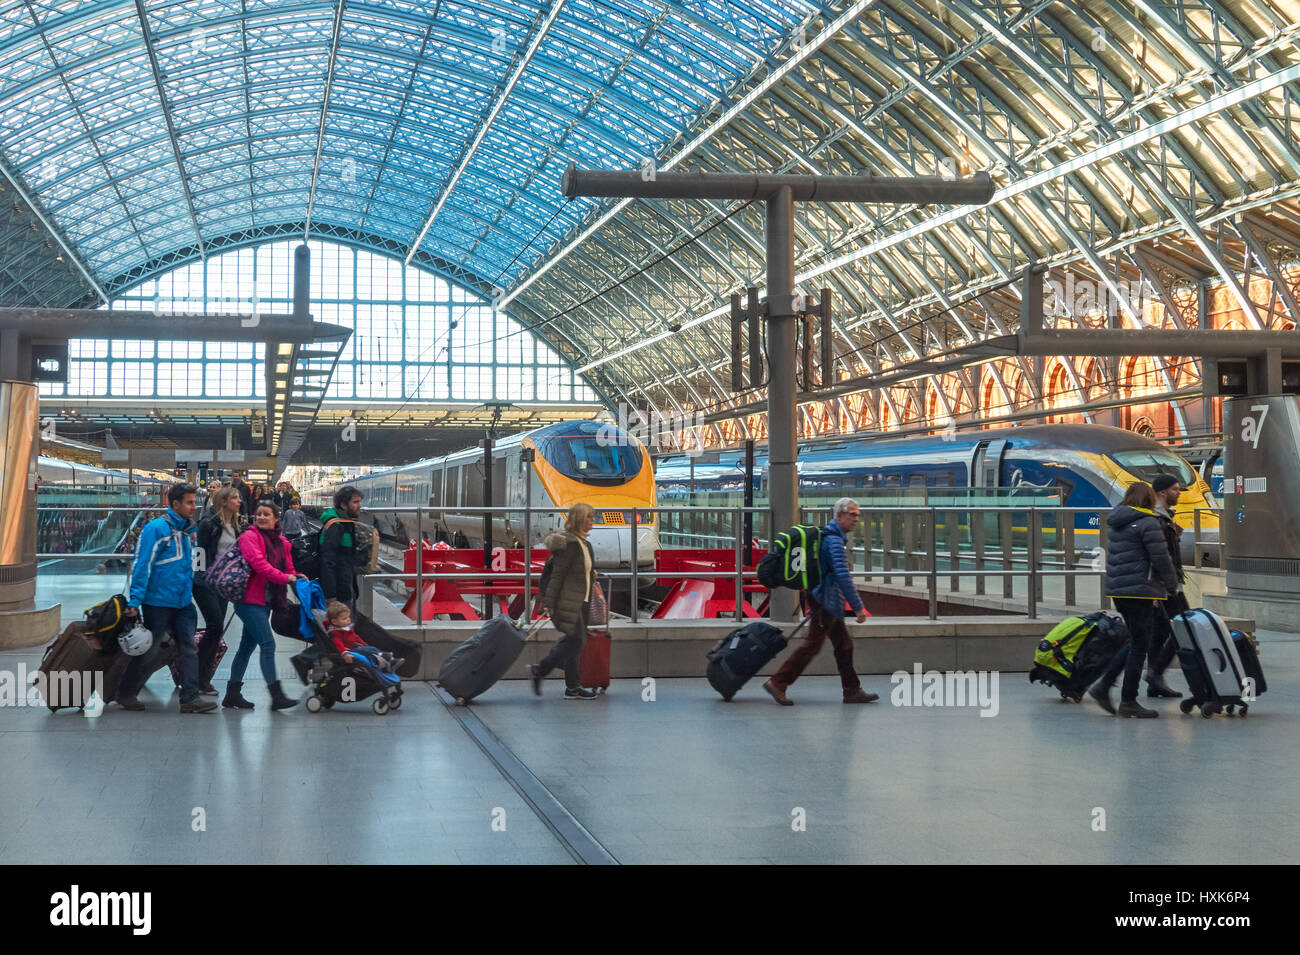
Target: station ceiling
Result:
[1137, 139]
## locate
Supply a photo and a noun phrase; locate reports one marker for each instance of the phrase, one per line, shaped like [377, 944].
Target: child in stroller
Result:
[339, 667]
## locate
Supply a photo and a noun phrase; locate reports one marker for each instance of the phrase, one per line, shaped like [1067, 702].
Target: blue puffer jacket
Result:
[836, 585]
[163, 572]
[1137, 556]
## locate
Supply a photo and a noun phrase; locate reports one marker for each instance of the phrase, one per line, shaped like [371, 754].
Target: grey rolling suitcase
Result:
[476, 665]
[1208, 656]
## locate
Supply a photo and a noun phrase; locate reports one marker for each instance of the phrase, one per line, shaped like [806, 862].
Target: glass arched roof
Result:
[145, 127]
[1131, 141]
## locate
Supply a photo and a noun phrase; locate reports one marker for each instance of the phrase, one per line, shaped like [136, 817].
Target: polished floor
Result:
[682, 778]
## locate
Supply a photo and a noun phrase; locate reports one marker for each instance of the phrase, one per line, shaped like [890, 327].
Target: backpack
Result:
[545, 579]
[105, 622]
[305, 551]
[365, 553]
[1075, 652]
[229, 576]
[794, 560]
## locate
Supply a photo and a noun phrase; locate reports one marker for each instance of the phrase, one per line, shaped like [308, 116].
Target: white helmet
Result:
[136, 641]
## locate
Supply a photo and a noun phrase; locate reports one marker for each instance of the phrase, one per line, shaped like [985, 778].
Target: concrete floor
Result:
[683, 779]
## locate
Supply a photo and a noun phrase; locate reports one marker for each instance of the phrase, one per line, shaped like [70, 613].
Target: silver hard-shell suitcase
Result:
[1210, 662]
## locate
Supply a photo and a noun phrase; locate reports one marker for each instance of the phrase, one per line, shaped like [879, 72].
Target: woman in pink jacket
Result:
[269, 555]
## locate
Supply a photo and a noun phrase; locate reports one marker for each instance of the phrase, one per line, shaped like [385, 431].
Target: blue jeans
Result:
[256, 619]
[181, 623]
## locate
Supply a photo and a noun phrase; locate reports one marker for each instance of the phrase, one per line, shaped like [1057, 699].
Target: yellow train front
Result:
[573, 462]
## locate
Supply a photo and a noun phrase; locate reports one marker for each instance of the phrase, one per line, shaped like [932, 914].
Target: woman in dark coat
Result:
[217, 533]
[568, 598]
[1139, 576]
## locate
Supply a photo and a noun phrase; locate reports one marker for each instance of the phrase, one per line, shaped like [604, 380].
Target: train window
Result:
[435, 487]
[472, 475]
[893, 480]
[916, 480]
[452, 497]
[1148, 465]
[499, 482]
[944, 479]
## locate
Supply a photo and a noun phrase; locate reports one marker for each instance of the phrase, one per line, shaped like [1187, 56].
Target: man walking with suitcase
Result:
[828, 613]
[162, 592]
[1167, 489]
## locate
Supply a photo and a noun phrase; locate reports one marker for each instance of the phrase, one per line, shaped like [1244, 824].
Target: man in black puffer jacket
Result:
[1167, 488]
[1139, 576]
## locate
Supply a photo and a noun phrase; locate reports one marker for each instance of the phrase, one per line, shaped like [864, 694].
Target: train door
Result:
[986, 464]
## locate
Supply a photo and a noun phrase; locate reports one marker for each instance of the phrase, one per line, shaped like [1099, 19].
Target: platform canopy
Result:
[1135, 141]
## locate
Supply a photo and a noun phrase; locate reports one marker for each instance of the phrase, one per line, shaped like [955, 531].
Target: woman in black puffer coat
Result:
[1139, 576]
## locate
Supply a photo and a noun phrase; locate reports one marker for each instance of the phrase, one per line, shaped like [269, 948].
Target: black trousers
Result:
[568, 652]
[214, 610]
[1142, 619]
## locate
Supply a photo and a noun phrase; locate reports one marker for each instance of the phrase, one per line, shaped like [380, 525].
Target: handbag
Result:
[598, 613]
[229, 576]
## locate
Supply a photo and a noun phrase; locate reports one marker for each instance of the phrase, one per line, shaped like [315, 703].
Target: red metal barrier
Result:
[696, 598]
[448, 596]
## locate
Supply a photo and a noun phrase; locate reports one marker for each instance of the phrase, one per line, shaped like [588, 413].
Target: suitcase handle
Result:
[535, 626]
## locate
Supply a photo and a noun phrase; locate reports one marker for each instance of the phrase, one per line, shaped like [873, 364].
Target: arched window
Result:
[415, 335]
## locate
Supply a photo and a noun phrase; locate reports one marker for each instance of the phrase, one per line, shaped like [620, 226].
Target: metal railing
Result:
[909, 542]
[989, 539]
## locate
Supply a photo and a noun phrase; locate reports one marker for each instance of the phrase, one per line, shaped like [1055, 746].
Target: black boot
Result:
[1157, 687]
[234, 700]
[278, 700]
[1133, 708]
[1101, 693]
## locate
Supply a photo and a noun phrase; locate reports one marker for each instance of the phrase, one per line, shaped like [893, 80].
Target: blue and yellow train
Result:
[1089, 465]
[573, 462]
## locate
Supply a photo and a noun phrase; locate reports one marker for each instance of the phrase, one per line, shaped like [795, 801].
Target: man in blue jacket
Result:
[828, 614]
[162, 588]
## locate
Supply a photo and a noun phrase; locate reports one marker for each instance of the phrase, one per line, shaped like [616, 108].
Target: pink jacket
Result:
[253, 548]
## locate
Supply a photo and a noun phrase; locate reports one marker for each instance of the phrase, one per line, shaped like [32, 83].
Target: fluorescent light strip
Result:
[487, 123]
[808, 49]
[1211, 106]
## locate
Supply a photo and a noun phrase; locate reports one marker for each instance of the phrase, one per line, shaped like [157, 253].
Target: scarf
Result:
[271, 541]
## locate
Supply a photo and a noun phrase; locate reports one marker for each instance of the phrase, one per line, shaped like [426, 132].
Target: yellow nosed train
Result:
[574, 462]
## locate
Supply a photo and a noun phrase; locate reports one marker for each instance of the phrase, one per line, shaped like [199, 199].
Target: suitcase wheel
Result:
[1244, 707]
[1186, 706]
[1209, 709]
[380, 706]
[1228, 710]
[314, 704]
[601, 690]
[461, 701]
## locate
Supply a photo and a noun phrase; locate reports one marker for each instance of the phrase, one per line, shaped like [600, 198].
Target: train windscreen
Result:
[1147, 465]
[592, 459]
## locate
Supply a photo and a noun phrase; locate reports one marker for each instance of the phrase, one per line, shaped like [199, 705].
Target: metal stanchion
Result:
[636, 589]
[932, 545]
[419, 568]
[740, 567]
[1034, 554]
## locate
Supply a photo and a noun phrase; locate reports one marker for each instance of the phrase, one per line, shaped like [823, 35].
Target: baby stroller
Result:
[331, 680]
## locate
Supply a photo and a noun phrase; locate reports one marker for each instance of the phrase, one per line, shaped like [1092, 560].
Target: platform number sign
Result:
[1251, 428]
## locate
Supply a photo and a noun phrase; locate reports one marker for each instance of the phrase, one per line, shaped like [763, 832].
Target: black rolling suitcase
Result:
[478, 663]
[1248, 652]
[744, 652]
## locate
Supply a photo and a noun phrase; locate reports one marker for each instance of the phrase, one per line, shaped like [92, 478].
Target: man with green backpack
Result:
[832, 587]
[338, 547]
